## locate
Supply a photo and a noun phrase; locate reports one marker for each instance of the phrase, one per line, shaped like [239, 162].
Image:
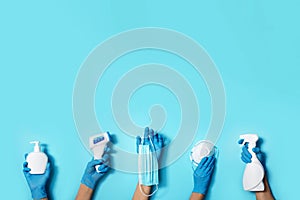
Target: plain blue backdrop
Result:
[255, 45]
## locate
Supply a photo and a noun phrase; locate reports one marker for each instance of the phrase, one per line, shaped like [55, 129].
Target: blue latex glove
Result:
[37, 182]
[203, 174]
[156, 138]
[246, 155]
[91, 176]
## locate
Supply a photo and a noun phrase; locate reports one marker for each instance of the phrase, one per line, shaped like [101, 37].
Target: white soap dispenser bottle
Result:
[37, 160]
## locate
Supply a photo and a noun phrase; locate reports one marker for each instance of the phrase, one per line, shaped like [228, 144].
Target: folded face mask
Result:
[148, 166]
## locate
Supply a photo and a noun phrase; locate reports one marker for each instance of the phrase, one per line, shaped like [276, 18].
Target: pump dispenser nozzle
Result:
[36, 146]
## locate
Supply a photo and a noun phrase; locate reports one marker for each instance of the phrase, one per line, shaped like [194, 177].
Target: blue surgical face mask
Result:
[148, 167]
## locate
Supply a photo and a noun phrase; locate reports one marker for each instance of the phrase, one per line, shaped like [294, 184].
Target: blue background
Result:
[255, 45]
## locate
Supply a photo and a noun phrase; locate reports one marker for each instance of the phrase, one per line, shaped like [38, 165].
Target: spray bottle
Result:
[254, 171]
[37, 160]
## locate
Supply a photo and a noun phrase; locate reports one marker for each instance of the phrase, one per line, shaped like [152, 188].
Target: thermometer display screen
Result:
[98, 139]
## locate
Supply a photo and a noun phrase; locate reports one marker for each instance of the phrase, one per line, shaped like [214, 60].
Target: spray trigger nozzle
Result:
[244, 143]
[251, 139]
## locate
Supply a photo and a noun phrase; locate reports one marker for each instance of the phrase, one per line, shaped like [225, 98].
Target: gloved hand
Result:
[203, 174]
[91, 176]
[156, 138]
[246, 155]
[37, 182]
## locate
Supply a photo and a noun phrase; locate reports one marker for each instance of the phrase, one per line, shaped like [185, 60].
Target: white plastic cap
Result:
[36, 146]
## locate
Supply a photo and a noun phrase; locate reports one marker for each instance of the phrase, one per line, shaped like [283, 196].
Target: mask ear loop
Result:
[148, 195]
[193, 162]
[156, 185]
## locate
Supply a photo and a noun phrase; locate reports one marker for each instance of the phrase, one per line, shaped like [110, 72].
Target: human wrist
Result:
[84, 193]
[85, 189]
[266, 193]
[88, 184]
[197, 196]
[146, 188]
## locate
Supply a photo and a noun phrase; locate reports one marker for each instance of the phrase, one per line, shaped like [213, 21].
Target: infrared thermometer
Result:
[97, 145]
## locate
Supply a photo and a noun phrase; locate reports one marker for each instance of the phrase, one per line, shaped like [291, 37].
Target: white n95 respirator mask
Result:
[201, 149]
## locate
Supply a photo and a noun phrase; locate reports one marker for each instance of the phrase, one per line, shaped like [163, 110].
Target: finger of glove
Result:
[146, 132]
[155, 137]
[256, 150]
[26, 172]
[154, 146]
[209, 171]
[103, 168]
[146, 135]
[25, 164]
[240, 141]
[93, 163]
[25, 155]
[151, 134]
[245, 152]
[25, 168]
[48, 166]
[105, 158]
[208, 161]
[138, 143]
[160, 139]
[212, 162]
[245, 159]
[203, 161]
[48, 169]
[107, 149]
[202, 165]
